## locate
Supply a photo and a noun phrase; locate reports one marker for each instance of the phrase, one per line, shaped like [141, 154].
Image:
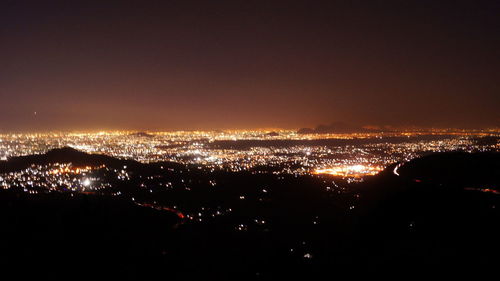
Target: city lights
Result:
[283, 151]
[350, 171]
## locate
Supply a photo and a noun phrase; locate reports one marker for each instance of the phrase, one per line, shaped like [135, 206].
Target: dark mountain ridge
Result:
[63, 155]
[75, 157]
[457, 168]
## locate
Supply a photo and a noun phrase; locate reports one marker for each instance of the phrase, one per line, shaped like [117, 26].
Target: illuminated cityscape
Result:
[249, 140]
[347, 158]
[347, 155]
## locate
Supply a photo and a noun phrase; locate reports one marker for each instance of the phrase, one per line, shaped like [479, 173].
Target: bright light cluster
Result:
[350, 171]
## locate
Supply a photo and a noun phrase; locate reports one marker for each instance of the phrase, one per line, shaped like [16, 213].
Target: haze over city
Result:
[177, 65]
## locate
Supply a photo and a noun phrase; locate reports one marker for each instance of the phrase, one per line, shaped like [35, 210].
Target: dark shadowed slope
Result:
[279, 226]
[63, 155]
[77, 158]
[458, 168]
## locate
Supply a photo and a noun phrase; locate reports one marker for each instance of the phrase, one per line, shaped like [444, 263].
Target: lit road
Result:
[395, 171]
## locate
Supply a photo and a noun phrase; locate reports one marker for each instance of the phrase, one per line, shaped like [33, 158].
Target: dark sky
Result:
[248, 64]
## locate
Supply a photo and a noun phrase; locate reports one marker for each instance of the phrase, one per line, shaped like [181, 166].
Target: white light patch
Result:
[86, 182]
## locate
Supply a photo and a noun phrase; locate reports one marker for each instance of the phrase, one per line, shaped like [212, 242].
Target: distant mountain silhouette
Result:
[336, 127]
[142, 134]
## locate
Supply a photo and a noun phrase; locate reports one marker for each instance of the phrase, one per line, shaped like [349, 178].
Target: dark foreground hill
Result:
[73, 156]
[62, 155]
[455, 168]
[437, 213]
[61, 237]
[278, 227]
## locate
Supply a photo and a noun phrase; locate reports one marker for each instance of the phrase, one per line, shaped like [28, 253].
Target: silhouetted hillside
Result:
[77, 158]
[459, 168]
[63, 155]
[85, 237]
[142, 134]
[257, 226]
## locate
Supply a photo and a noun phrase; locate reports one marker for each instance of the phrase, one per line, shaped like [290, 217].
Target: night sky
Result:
[165, 65]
